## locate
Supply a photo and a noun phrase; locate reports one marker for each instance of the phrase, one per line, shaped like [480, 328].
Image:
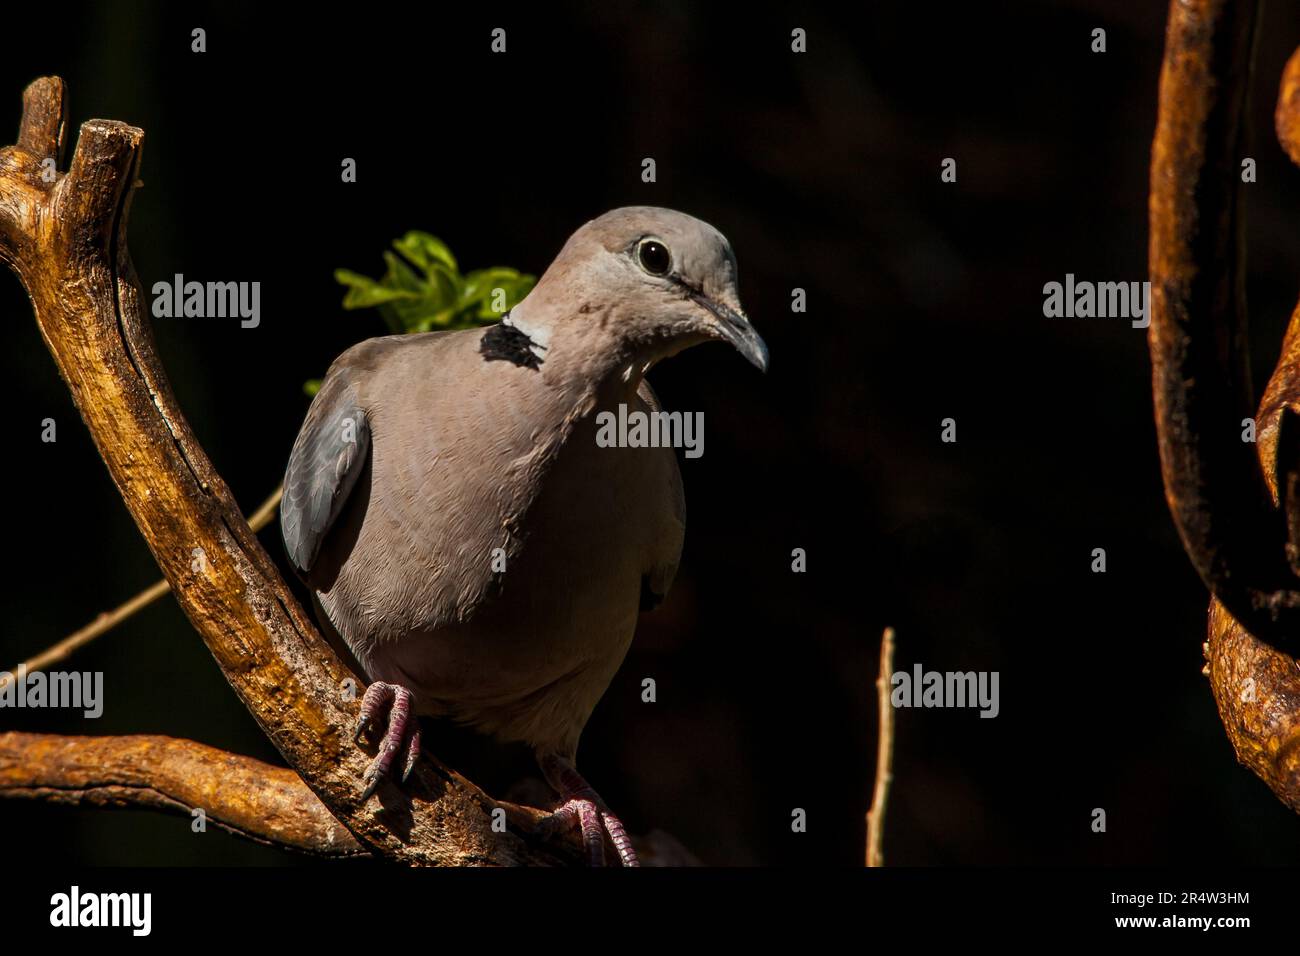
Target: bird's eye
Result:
[654, 257]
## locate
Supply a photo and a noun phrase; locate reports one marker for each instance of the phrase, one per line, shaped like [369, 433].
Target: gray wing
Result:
[328, 455]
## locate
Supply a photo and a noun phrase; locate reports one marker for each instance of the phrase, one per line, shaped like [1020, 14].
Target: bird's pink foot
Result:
[401, 733]
[580, 804]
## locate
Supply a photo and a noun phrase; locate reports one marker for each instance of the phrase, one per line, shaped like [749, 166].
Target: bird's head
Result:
[646, 280]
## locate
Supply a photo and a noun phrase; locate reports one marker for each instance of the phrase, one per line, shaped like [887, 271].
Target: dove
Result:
[462, 530]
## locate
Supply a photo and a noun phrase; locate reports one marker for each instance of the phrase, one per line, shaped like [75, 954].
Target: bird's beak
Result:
[733, 327]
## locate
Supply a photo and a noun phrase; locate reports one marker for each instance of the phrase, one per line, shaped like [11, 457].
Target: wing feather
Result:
[328, 456]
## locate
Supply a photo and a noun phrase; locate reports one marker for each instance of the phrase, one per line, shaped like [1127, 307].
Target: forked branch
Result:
[64, 234]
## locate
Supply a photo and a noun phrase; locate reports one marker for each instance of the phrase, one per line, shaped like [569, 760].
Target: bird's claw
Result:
[579, 803]
[594, 820]
[401, 735]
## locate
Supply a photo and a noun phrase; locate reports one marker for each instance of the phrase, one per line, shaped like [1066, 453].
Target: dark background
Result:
[925, 302]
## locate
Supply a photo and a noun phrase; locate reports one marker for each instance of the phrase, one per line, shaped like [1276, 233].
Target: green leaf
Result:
[367, 298]
[480, 283]
[400, 276]
[441, 297]
[513, 292]
[447, 284]
[513, 285]
[424, 250]
[363, 292]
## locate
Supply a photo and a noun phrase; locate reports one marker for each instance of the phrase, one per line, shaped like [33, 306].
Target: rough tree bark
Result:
[239, 794]
[64, 234]
[1256, 687]
[1237, 508]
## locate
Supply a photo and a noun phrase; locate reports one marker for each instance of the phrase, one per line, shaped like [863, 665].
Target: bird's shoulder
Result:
[334, 443]
[383, 357]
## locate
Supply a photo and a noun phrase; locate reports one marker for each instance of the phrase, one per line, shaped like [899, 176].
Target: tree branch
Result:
[239, 794]
[66, 240]
[884, 753]
[1256, 687]
[1235, 537]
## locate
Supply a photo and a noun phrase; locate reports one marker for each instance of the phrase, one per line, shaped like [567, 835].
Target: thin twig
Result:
[884, 754]
[111, 619]
[263, 515]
